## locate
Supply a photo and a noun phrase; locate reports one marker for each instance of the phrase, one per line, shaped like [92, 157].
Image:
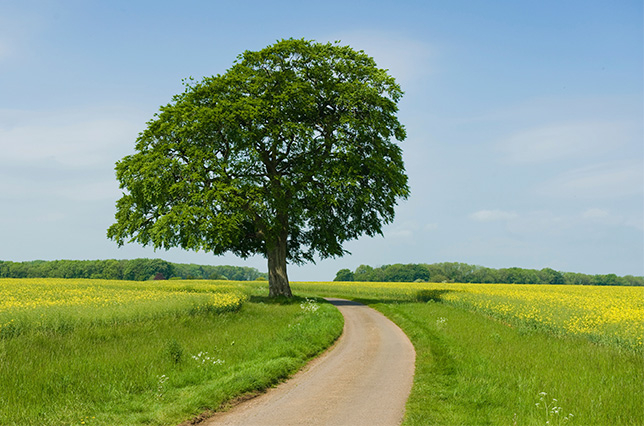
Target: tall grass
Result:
[490, 366]
[162, 358]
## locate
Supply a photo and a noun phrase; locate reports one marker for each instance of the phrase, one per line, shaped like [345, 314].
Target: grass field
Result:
[488, 354]
[83, 352]
[609, 315]
[92, 352]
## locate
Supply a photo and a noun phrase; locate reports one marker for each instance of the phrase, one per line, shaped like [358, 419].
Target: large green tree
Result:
[288, 154]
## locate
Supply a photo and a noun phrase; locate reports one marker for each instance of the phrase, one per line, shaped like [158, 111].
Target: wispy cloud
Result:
[406, 59]
[606, 180]
[5, 50]
[537, 223]
[71, 139]
[404, 230]
[493, 215]
[64, 155]
[564, 141]
[595, 214]
[41, 180]
[429, 227]
[19, 26]
[524, 223]
[599, 216]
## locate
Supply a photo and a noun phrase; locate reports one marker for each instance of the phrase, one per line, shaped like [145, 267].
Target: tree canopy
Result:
[464, 273]
[134, 269]
[288, 154]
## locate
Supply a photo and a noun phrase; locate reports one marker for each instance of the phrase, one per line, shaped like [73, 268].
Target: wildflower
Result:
[309, 305]
[160, 385]
[203, 358]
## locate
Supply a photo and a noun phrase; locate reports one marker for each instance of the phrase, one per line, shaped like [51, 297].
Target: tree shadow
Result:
[342, 302]
[420, 296]
[277, 300]
[433, 295]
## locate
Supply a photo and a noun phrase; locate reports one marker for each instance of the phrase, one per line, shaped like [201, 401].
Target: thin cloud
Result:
[69, 139]
[63, 155]
[600, 181]
[404, 230]
[493, 215]
[19, 28]
[564, 141]
[430, 227]
[5, 50]
[400, 234]
[43, 183]
[538, 223]
[595, 214]
[407, 60]
[527, 223]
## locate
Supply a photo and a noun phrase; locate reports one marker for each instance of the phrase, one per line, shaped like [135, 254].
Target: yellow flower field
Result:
[52, 303]
[605, 313]
[613, 315]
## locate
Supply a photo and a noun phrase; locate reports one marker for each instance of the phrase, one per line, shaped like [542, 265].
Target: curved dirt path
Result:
[364, 379]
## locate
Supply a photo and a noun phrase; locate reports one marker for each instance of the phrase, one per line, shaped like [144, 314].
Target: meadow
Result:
[610, 315]
[98, 352]
[102, 352]
[500, 354]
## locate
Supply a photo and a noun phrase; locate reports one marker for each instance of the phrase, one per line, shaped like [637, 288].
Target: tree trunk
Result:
[277, 279]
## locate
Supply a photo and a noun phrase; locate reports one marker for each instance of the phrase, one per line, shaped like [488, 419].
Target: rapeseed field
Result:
[60, 304]
[514, 354]
[103, 352]
[608, 315]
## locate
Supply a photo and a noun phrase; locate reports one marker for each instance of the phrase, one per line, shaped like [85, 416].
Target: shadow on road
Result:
[420, 296]
[342, 302]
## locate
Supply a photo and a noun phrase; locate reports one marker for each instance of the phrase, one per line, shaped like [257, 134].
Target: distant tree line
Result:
[135, 270]
[464, 273]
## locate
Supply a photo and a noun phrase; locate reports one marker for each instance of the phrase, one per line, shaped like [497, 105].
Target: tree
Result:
[288, 154]
[364, 273]
[419, 273]
[550, 276]
[405, 273]
[344, 275]
[436, 274]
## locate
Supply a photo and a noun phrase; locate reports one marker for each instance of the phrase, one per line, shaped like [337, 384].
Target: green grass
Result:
[474, 370]
[160, 370]
[167, 360]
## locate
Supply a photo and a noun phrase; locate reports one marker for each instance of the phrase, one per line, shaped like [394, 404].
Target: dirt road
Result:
[364, 379]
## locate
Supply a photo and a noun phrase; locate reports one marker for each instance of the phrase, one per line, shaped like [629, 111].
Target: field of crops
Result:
[61, 304]
[102, 352]
[609, 315]
[515, 354]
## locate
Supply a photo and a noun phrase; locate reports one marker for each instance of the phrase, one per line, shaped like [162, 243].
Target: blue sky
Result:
[525, 120]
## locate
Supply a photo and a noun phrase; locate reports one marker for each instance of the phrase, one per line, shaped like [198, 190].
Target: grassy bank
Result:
[140, 353]
[482, 361]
